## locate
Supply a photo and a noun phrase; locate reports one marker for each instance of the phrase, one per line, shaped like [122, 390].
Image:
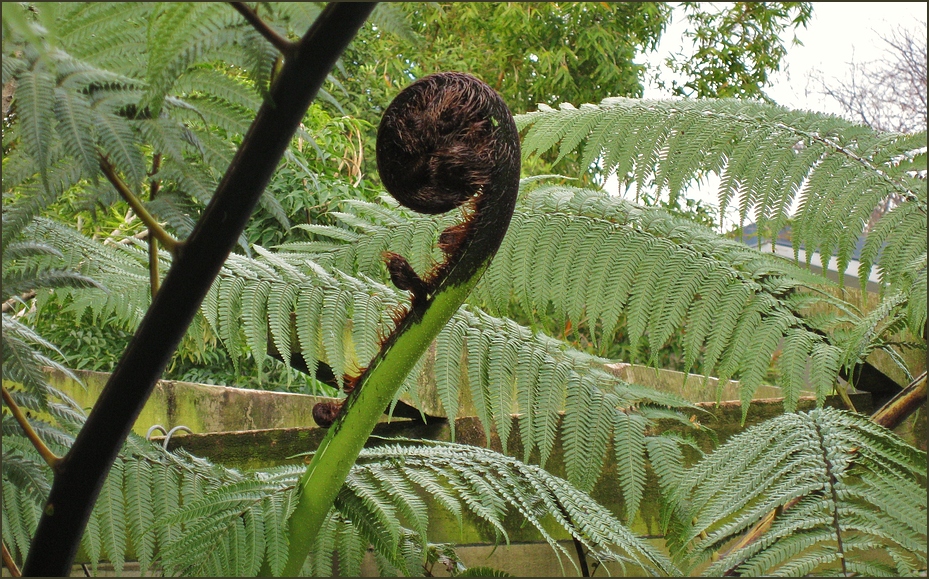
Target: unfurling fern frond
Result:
[843, 488]
[767, 158]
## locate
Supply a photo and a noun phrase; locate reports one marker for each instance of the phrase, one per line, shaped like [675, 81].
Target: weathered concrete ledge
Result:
[202, 407]
[206, 408]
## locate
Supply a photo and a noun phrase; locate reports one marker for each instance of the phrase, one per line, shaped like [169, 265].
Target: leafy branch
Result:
[86, 465]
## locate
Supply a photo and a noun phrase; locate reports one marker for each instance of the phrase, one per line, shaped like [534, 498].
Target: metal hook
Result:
[171, 433]
[148, 435]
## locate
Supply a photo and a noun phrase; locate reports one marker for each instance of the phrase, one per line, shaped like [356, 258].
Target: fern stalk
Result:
[332, 462]
[9, 563]
[471, 158]
[154, 229]
[47, 455]
[899, 408]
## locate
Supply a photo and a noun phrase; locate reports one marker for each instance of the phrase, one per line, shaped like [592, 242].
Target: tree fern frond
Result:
[112, 517]
[178, 35]
[24, 471]
[629, 446]
[765, 155]
[663, 273]
[75, 127]
[35, 100]
[232, 119]
[393, 21]
[842, 468]
[19, 214]
[210, 81]
[371, 513]
[23, 359]
[229, 328]
[484, 349]
[586, 432]
[255, 318]
[121, 144]
[449, 346]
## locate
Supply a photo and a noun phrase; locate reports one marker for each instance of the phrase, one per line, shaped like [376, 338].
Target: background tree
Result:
[580, 53]
[736, 48]
[888, 94]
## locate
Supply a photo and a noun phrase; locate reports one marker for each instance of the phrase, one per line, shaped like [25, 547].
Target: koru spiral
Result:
[446, 141]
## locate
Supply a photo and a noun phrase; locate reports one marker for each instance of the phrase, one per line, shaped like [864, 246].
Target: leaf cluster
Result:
[844, 489]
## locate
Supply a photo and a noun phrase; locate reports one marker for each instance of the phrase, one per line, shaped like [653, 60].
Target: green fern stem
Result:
[431, 164]
[338, 451]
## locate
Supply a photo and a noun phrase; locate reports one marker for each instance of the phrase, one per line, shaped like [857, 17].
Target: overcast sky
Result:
[839, 33]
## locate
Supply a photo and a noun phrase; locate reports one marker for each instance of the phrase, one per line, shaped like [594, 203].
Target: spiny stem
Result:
[278, 41]
[47, 455]
[9, 563]
[155, 230]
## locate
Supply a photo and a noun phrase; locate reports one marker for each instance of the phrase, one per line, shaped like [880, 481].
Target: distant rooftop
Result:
[783, 246]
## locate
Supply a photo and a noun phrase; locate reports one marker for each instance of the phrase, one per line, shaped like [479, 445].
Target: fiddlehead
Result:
[449, 141]
[446, 141]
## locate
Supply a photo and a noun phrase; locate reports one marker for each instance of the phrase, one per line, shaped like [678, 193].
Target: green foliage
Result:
[29, 266]
[166, 93]
[580, 257]
[854, 489]
[767, 158]
[735, 48]
[578, 51]
[552, 53]
[337, 318]
[190, 517]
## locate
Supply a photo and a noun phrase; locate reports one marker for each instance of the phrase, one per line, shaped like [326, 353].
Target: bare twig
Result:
[47, 455]
[8, 304]
[282, 44]
[156, 230]
[9, 563]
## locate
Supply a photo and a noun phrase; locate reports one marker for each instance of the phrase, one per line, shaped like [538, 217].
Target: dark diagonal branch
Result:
[83, 470]
[282, 44]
